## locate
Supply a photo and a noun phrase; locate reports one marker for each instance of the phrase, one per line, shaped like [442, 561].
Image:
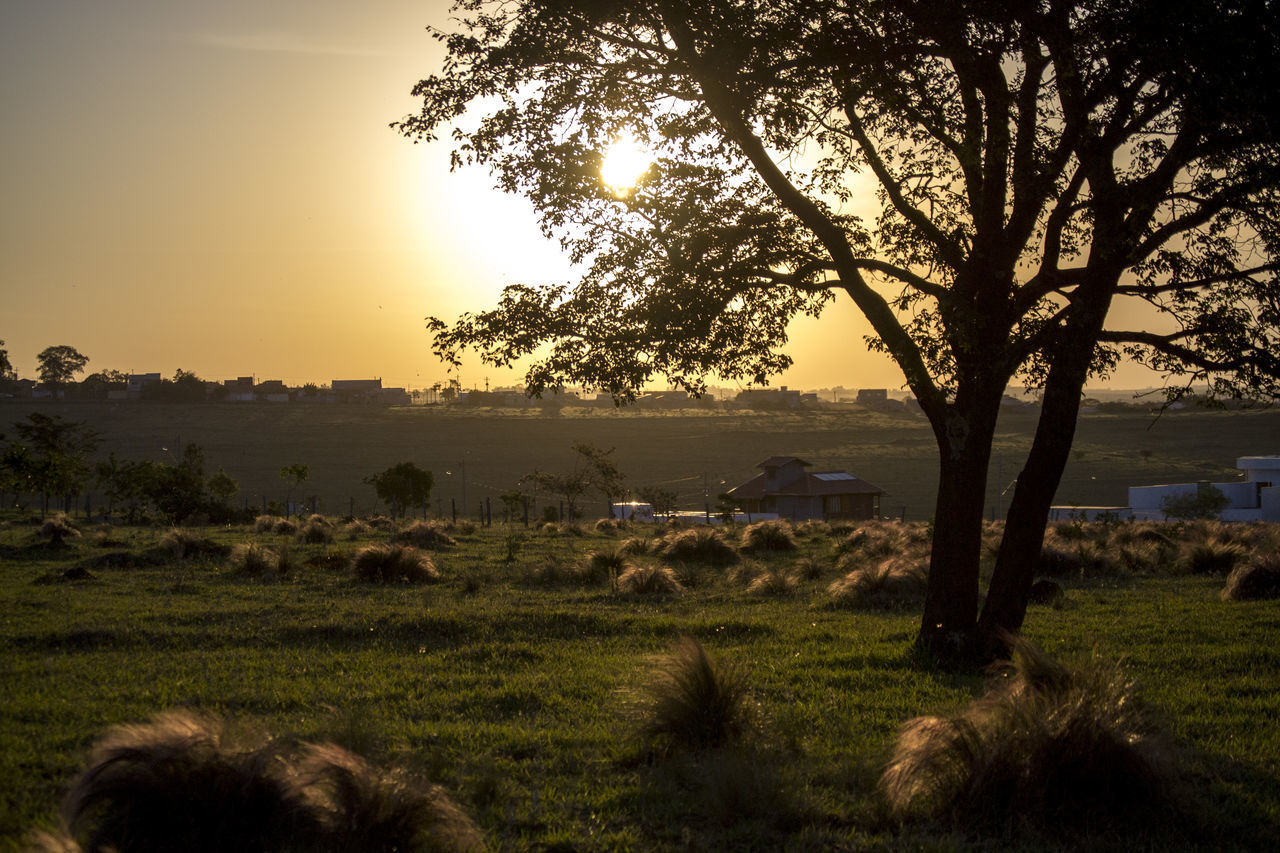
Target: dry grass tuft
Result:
[611, 525]
[259, 561]
[183, 544]
[1213, 556]
[58, 529]
[893, 583]
[1259, 578]
[1051, 746]
[426, 534]
[697, 545]
[265, 523]
[767, 536]
[364, 808]
[637, 546]
[284, 527]
[773, 581]
[316, 530]
[692, 701]
[356, 529]
[648, 579]
[392, 563]
[602, 564]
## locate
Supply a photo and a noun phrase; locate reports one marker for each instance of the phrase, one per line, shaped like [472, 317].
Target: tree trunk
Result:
[1019, 557]
[947, 629]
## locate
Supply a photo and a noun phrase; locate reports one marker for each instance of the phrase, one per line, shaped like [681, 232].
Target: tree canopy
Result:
[402, 486]
[58, 365]
[1035, 165]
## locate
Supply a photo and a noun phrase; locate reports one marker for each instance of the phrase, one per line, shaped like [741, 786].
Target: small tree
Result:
[602, 472]
[662, 500]
[1207, 501]
[58, 366]
[222, 486]
[403, 485]
[294, 475]
[56, 453]
[7, 373]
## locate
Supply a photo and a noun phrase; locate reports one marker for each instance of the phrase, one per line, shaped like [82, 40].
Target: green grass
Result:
[514, 696]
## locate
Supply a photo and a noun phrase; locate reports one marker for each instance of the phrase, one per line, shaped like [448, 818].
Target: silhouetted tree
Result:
[7, 373]
[294, 475]
[402, 486]
[55, 454]
[58, 365]
[1035, 164]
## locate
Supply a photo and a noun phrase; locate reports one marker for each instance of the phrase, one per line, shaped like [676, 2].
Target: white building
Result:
[1255, 498]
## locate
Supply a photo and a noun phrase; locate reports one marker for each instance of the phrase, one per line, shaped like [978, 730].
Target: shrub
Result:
[58, 529]
[426, 534]
[767, 536]
[648, 579]
[1256, 579]
[1051, 745]
[892, 583]
[466, 527]
[693, 701]
[254, 560]
[393, 563]
[698, 544]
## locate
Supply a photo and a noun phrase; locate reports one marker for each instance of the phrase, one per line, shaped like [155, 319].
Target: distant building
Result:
[787, 490]
[871, 396]
[138, 381]
[768, 398]
[357, 390]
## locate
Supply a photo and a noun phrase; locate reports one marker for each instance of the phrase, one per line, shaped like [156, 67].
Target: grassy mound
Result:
[393, 563]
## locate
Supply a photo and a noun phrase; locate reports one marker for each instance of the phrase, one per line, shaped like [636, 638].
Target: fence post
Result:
[453, 509]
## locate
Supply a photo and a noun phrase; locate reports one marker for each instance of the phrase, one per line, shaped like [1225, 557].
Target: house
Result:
[787, 490]
[1256, 497]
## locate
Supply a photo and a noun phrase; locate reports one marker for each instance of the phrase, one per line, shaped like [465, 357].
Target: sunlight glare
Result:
[625, 162]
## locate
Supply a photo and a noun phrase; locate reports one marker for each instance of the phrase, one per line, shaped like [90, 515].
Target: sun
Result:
[625, 162]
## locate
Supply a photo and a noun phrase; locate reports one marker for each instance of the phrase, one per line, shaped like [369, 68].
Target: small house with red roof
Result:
[787, 490]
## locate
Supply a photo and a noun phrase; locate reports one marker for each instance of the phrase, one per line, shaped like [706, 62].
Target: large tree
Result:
[1036, 165]
[58, 365]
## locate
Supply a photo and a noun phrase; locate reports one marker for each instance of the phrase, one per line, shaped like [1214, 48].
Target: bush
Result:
[1258, 578]
[1053, 746]
[648, 579]
[603, 564]
[767, 536]
[698, 544]
[892, 583]
[426, 534]
[392, 563]
[692, 701]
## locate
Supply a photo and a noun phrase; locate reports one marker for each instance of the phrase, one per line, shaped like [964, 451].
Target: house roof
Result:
[779, 461]
[819, 483]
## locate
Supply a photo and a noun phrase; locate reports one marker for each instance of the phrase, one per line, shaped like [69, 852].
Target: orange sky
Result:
[214, 187]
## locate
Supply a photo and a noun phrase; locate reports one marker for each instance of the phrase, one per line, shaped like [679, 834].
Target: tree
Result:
[1207, 501]
[1035, 164]
[294, 475]
[58, 365]
[603, 473]
[55, 453]
[100, 383]
[222, 486]
[7, 373]
[662, 500]
[402, 486]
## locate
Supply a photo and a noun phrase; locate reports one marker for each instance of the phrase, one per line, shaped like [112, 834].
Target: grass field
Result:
[681, 451]
[509, 683]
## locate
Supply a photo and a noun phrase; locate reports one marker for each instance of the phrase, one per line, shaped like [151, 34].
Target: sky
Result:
[214, 187]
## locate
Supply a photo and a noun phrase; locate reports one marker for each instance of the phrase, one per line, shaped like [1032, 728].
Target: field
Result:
[512, 681]
[695, 453]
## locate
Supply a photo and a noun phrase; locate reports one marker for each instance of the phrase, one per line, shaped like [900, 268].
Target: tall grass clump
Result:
[648, 579]
[393, 563]
[184, 782]
[253, 560]
[363, 808]
[356, 529]
[265, 523]
[893, 583]
[1213, 556]
[767, 536]
[316, 530]
[1256, 579]
[698, 545]
[693, 701]
[603, 564]
[181, 544]
[1051, 746]
[284, 527]
[426, 534]
[774, 581]
[58, 529]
